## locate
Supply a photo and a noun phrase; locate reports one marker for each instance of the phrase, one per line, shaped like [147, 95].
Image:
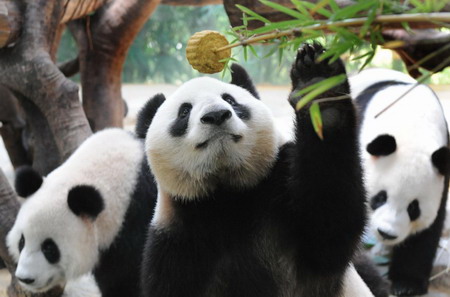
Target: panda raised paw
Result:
[309, 69]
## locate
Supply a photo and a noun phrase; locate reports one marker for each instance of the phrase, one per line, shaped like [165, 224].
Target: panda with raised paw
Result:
[240, 212]
[91, 213]
[406, 160]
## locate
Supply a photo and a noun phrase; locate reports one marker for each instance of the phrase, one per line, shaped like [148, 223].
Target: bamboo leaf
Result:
[370, 18]
[283, 9]
[316, 119]
[353, 10]
[318, 88]
[253, 14]
[279, 26]
[334, 6]
[318, 8]
[252, 49]
[301, 8]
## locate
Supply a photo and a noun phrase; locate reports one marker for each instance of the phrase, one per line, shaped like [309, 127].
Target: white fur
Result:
[417, 122]
[354, 286]
[110, 161]
[186, 172]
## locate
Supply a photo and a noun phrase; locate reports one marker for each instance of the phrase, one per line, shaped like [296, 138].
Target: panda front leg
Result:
[326, 190]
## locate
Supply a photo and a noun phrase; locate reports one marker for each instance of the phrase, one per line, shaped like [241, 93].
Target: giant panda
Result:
[91, 213]
[240, 212]
[406, 158]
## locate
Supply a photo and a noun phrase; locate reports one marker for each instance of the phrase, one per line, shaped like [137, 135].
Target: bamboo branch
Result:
[390, 21]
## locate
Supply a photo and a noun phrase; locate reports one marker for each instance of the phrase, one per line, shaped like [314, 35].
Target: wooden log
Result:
[191, 2]
[11, 16]
[10, 21]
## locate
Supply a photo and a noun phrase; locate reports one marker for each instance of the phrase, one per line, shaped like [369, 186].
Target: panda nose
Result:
[27, 281]
[216, 117]
[386, 235]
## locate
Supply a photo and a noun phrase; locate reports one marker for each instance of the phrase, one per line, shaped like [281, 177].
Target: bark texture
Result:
[103, 40]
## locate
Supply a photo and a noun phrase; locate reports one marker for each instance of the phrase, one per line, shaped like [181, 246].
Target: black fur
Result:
[414, 210]
[180, 125]
[146, 114]
[296, 231]
[378, 200]
[117, 273]
[240, 78]
[27, 182]
[85, 201]
[241, 110]
[441, 160]
[369, 273]
[383, 145]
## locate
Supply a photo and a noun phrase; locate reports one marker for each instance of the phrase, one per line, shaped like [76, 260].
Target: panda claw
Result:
[309, 69]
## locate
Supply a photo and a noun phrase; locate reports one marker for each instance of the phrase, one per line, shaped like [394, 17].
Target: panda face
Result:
[403, 195]
[209, 133]
[76, 212]
[43, 244]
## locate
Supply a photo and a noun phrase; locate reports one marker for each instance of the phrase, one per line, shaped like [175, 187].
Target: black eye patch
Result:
[378, 200]
[414, 210]
[241, 110]
[180, 125]
[50, 251]
[21, 243]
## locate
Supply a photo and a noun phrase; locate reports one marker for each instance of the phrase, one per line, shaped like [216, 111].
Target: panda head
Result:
[42, 240]
[210, 133]
[404, 187]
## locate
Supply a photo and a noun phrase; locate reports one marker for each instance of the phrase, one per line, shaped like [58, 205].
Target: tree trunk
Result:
[191, 2]
[48, 97]
[103, 40]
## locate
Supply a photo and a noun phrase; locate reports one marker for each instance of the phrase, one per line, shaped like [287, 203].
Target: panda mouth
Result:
[202, 145]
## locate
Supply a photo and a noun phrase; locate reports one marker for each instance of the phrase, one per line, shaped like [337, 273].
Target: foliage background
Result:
[158, 53]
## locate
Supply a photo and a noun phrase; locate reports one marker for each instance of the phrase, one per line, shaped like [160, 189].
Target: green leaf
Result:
[253, 14]
[283, 9]
[367, 24]
[301, 8]
[318, 8]
[318, 88]
[334, 6]
[252, 49]
[352, 10]
[278, 26]
[316, 119]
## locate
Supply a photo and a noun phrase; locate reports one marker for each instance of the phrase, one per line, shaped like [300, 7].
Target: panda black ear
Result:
[383, 145]
[85, 201]
[240, 77]
[146, 114]
[441, 160]
[27, 182]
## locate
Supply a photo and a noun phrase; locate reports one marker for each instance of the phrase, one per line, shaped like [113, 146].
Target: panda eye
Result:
[228, 98]
[184, 110]
[378, 200]
[21, 243]
[414, 210]
[50, 251]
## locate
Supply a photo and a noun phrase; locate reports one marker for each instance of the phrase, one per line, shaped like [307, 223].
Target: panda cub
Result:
[407, 162]
[240, 212]
[91, 213]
